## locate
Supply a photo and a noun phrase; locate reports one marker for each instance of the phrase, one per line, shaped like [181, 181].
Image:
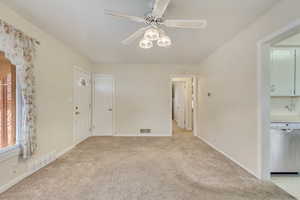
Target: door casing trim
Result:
[195, 91]
[263, 95]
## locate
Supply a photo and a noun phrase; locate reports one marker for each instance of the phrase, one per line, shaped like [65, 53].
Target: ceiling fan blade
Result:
[117, 14]
[160, 7]
[135, 35]
[196, 24]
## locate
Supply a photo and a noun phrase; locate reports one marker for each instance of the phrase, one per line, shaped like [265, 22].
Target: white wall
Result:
[54, 76]
[228, 119]
[143, 96]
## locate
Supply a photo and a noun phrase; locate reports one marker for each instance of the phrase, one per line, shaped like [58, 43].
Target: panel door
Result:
[82, 105]
[103, 105]
[282, 72]
[179, 101]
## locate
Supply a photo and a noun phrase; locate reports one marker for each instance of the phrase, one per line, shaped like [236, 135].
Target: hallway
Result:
[141, 168]
[179, 131]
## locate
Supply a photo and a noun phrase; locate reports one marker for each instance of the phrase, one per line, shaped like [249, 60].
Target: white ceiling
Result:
[83, 26]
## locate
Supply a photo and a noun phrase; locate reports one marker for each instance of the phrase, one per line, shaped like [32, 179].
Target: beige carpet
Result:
[131, 168]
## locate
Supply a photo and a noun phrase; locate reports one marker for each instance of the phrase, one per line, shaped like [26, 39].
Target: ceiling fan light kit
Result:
[146, 44]
[154, 21]
[164, 41]
[151, 34]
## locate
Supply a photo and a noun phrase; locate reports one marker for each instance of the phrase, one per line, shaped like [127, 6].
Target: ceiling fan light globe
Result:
[152, 34]
[164, 41]
[146, 44]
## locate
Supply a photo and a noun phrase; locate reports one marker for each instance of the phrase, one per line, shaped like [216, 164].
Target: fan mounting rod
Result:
[151, 20]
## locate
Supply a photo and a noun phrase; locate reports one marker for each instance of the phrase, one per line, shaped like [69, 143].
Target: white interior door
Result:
[103, 105]
[82, 105]
[179, 101]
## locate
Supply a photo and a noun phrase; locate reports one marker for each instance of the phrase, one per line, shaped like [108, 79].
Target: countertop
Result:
[285, 119]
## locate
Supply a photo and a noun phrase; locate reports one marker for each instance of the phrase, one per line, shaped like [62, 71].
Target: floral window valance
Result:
[20, 49]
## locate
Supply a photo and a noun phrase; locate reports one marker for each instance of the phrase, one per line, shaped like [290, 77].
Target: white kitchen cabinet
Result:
[297, 85]
[283, 72]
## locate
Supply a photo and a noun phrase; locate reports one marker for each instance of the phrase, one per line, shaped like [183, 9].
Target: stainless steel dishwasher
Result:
[285, 143]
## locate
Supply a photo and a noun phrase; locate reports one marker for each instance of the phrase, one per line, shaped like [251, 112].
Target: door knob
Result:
[110, 109]
[77, 113]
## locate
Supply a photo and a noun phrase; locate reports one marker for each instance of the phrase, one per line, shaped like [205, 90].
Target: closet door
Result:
[297, 85]
[282, 71]
[103, 105]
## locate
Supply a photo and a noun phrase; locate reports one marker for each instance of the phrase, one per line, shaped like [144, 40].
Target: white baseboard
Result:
[229, 157]
[142, 135]
[155, 135]
[5, 187]
[34, 166]
[65, 151]
[136, 135]
[125, 135]
[102, 134]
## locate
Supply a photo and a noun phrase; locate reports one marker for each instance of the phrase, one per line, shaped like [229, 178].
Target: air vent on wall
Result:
[145, 131]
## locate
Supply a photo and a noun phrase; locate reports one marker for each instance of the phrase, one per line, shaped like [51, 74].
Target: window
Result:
[7, 103]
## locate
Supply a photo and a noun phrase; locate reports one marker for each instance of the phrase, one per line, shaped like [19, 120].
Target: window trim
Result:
[9, 152]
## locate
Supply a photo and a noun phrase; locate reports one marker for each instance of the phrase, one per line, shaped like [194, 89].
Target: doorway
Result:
[183, 105]
[279, 117]
[82, 95]
[104, 109]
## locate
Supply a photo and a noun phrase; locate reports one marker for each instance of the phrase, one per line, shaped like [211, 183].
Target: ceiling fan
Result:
[153, 21]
